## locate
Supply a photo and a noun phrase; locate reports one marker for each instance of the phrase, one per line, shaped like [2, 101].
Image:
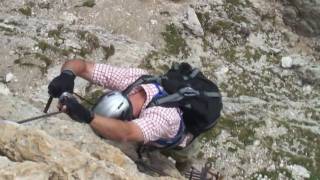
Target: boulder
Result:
[9, 77]
[293, 61]
[192, 22]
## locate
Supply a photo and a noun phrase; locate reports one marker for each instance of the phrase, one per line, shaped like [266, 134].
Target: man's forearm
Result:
[116, 129]
[79, 68]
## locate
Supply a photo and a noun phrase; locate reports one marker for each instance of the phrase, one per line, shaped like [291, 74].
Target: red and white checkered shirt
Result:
[155, 122]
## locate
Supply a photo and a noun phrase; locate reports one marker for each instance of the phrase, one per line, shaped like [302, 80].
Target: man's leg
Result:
[184, 158]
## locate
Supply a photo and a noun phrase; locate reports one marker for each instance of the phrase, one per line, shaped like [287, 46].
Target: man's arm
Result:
[112, 77]
[116, 129]
[79, 68]
[107, 127]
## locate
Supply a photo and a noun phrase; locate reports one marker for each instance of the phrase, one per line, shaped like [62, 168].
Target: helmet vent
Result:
[111, 94]
[120, 105]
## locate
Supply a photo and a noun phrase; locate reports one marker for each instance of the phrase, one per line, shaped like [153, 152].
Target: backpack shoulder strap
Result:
[211, 94]
[144, 79]
[182, 93]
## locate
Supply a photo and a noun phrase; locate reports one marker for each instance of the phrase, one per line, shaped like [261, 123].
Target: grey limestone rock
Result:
[303, 16]
[192, 22]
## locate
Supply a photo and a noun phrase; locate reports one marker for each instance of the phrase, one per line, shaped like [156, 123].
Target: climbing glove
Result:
[74, 109]
[62, 83]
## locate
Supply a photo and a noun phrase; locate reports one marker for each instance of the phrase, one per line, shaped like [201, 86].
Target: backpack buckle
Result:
[189, 92]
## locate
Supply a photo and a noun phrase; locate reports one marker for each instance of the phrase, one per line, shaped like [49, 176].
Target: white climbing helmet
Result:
[114, 104]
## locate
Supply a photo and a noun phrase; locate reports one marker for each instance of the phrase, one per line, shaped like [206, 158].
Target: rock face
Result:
[268, 75]
[303, 16]
[34, 154]
[66, 153]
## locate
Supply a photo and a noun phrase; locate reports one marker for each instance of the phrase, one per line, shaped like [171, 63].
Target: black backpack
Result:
[187, 88]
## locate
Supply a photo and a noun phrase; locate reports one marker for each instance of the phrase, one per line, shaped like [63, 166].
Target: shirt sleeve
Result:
[115, 78]
[158, 122]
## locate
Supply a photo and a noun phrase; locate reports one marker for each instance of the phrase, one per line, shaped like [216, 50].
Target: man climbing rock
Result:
[123, 114]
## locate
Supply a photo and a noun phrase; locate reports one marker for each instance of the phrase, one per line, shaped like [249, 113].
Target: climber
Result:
[123, 116]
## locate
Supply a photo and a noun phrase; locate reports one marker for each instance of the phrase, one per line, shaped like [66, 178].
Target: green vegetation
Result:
[84, 51]
[165, 13]
[92, 98]
[240, 85]
[239, 19]
[87, 3]
[274, 58]
[44, 58]
[34, 60]
[57, 35]
[246, 135]
[243, 130]
[91, 40]
[91, 43]
[230, 54]
[232, 8]
[308, 153]
[234, 2]
[206, 44]
[225, 28]
[25, 11]
[82, 34]
[220, 27]
[44, 5]
[146, 62]
[207, 62]
[312, 113]
[249, 83]
[204, 19]
[108, 51]
[153, 57]
[14, 23]
[8, 31]
[175, 44]
[252, 55]
[44, 46]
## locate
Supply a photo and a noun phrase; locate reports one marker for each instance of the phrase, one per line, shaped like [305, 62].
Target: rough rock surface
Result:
[270, 125]
[33, 147]
[303, 16]
[55, 159]
[192, 22]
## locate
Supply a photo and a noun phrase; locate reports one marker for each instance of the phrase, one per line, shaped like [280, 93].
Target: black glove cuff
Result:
[69, 73]
[89, 117]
